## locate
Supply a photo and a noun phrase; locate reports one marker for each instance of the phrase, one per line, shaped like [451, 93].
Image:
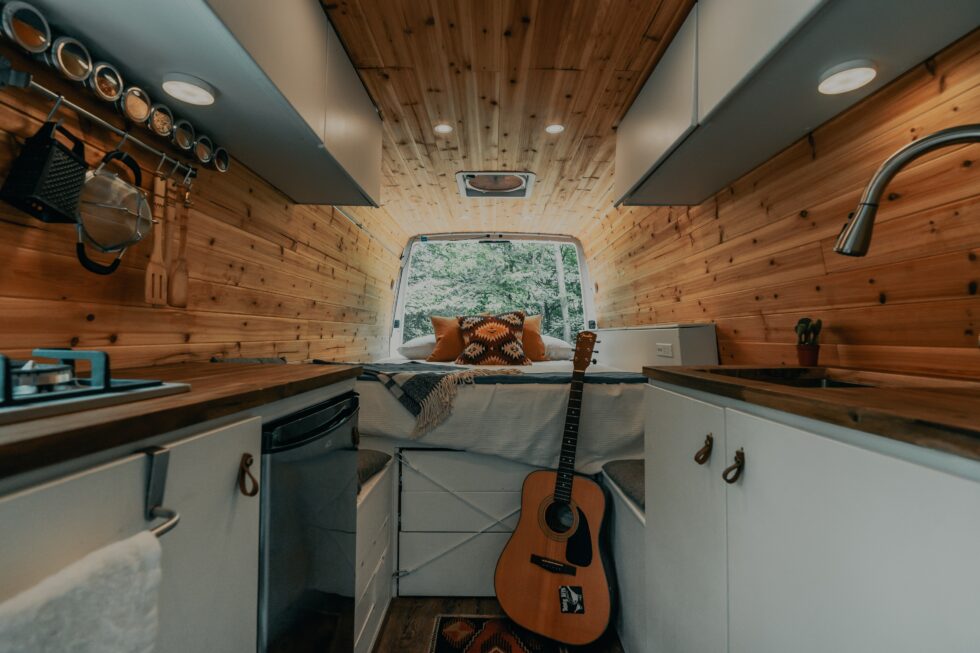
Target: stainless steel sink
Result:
[798, 377]
[837, 377]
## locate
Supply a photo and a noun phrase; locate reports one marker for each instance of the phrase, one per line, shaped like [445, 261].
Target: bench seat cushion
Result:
[628, 475]
[369, 463]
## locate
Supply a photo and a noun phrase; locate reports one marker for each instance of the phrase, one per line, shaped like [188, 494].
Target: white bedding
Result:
[521, 422]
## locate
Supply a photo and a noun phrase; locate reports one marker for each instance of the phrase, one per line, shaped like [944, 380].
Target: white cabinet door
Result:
[837, 548]
[685, 526]
[47, 527]
[736, 36]
[663, 113]
[209, 593]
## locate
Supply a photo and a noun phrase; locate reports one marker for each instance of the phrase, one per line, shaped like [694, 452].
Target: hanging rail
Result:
[190, 172]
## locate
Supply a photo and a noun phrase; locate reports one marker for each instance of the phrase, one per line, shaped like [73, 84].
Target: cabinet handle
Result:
[245, 475]
[704, 453]
[734, 471]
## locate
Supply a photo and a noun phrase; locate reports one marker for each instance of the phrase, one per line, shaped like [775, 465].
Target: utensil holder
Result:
[807, 355]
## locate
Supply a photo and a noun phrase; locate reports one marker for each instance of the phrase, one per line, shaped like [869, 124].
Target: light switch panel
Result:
[665, 349]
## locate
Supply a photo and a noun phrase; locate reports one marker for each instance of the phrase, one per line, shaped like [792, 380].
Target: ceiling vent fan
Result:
[500, 183]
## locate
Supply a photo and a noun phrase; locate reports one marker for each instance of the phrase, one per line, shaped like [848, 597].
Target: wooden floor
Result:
[408, 626]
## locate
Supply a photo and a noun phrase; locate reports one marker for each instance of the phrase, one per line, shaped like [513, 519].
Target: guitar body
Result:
[552, 580]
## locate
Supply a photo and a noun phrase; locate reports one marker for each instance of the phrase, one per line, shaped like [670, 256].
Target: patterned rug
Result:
[488, 634]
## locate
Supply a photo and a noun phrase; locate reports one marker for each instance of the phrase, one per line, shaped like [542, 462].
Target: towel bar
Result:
[159, 459]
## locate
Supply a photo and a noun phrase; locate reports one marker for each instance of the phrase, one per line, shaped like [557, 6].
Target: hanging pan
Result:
[113, 213]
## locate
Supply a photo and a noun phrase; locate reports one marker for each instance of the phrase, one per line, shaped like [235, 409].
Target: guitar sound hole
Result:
[559, 517]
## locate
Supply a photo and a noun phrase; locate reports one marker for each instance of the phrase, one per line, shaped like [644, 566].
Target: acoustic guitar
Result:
[551, 577]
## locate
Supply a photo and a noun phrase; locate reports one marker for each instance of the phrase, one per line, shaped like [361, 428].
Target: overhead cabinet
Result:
[757, 64]
[296, 47]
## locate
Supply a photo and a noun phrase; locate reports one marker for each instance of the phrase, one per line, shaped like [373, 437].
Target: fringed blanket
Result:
[428, 395]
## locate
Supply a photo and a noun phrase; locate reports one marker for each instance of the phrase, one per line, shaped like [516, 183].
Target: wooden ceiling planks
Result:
[499, 72]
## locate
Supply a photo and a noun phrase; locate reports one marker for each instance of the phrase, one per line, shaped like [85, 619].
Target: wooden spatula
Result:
[177, 283]
[156, 272]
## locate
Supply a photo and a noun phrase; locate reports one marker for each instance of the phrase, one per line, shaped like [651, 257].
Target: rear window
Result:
[470, 277]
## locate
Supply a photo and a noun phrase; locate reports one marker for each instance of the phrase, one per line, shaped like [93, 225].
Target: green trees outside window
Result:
[469, 278]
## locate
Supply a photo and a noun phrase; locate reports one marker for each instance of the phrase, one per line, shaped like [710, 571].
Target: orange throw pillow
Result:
[533, 343]
[449, 340]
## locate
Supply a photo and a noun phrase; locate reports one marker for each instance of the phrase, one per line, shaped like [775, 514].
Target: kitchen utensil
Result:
[155, 289]
[178, 280]
[25, 26]
[47, 177]
[113, 213]
[221, 159]
[106, 82]
[183, 135]
[161, 120]
[70, 58]
[135, 104]
[204, 149]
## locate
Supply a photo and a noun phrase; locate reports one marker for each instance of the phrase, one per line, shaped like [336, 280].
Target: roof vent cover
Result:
[500, 183]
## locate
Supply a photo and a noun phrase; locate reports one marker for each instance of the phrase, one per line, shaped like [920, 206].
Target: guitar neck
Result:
[569, 440]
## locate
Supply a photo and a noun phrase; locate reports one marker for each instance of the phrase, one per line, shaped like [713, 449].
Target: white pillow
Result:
[556, 349]
[418, 348]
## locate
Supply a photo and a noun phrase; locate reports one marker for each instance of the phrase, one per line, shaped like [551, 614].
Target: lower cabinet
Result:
[685, 524]
[209, 584]
[819, 545]
[833, 547]
[458, 510]
[209, 593]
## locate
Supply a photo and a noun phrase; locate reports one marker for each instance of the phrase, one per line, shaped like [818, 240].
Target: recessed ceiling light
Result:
[555, 128]
[443, 128]
[189, 89]
[848, 76]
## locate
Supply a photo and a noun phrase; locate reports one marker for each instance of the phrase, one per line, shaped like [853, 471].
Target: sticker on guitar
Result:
[572, 600]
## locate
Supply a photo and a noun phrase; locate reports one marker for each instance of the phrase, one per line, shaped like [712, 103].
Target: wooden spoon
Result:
[155, 289]
[177, 290]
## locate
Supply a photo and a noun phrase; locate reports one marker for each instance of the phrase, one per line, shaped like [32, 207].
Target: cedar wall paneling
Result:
[267, 277]
[758, 255]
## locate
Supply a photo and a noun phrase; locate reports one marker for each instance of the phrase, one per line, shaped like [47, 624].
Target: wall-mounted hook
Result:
[159, 169]
[54, 109]
[125, 137]
[189, 177]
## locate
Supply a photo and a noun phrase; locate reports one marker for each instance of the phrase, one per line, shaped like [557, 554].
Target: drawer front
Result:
[465, 512]
[467, 570]
[374, 506]
[369, 551]
[433, 471]
[369, 611]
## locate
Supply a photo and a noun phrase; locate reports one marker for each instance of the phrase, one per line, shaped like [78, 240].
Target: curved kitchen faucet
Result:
[855, 238]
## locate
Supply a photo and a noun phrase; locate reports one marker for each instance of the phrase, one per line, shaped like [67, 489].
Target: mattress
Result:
[521, 422]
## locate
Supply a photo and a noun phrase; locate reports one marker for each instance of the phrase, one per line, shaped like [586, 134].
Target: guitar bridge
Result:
[553, 566]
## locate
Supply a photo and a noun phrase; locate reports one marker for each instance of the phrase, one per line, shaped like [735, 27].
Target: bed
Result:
[519, 419]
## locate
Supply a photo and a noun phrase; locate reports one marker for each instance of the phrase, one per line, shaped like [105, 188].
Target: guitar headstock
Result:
[583, 350]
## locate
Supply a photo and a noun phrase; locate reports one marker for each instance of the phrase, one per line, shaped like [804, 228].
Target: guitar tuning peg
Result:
[594, 361]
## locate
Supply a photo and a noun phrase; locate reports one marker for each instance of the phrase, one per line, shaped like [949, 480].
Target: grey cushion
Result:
[369, 463]
[628, 475]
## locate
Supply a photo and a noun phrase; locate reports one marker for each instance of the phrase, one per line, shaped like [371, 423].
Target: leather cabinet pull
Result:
[734, 471]
[245, 475]
[704, 453]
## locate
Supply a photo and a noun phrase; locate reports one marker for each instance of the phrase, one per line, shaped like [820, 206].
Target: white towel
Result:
[104, 603]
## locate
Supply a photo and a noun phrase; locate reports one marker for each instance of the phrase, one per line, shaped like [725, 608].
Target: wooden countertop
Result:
[217, 389]
[944, 415]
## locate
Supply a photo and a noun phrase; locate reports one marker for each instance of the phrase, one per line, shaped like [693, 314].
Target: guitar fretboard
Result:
[569, 440]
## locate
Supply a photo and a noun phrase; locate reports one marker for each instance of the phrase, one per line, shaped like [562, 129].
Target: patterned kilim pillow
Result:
[493, 339]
